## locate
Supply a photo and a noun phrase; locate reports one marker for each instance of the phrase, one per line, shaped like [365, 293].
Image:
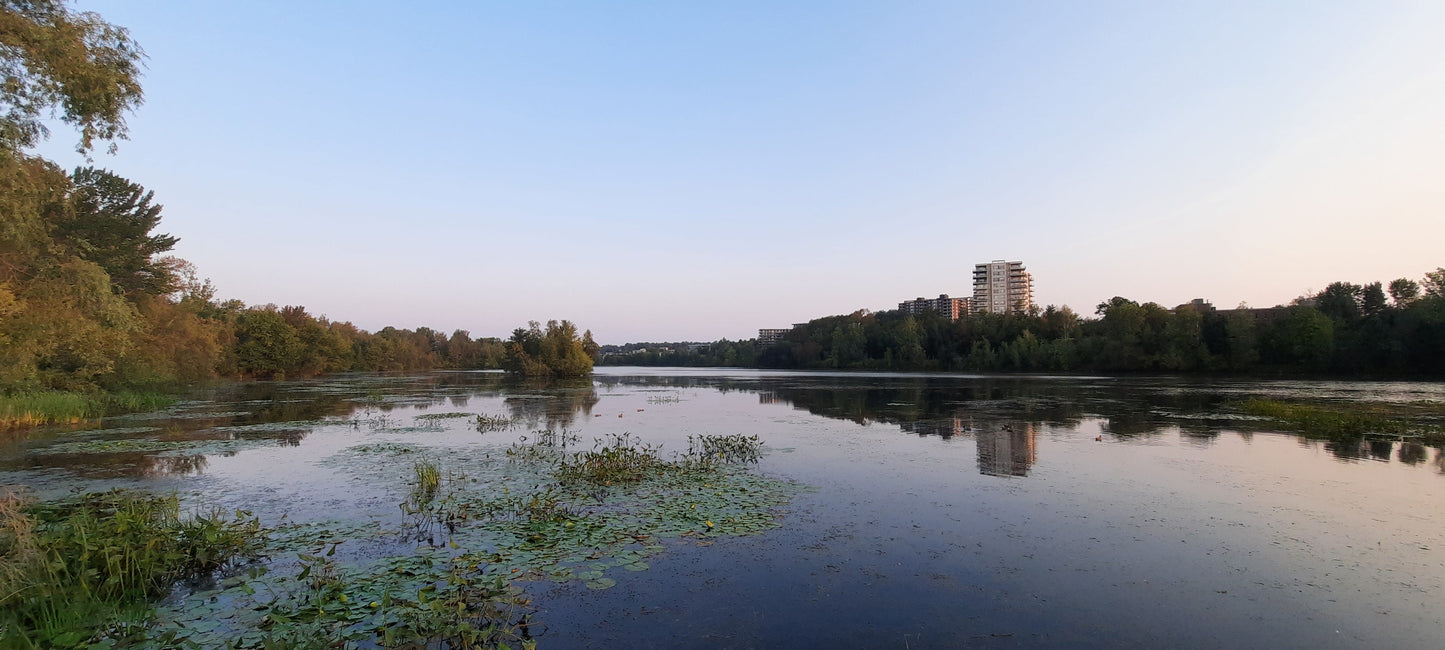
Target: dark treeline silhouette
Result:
[1345, 330]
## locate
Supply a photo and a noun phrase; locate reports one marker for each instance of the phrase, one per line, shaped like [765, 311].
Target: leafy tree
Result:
[557, 352]
[1372, 301]
[1305, 338]
[75, 65]
[1404, 291]
[266, 345]
[110, 224]
[1340, 300]
[1434, 283]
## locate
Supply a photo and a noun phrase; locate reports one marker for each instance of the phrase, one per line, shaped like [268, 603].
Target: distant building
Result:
[1199, 305]
[769, 337]
[1001, 287]
[950, 308]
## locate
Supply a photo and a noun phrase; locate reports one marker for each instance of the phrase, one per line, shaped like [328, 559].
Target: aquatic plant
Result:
[442, 416]
[488, 524]
[552, 438]
[623, 458]
[485, 423]
[1338, 421]
[732, 448]
[60, 407]
[428, 481]
[85, 567]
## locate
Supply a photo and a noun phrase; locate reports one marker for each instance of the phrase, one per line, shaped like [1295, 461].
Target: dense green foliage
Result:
[556, 352]
[72, 569]
[89, 301]
[1345, 330]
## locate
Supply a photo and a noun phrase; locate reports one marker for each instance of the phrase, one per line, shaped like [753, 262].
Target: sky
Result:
[660, 171]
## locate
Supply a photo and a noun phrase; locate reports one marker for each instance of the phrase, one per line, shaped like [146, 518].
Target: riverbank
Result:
[33, 409]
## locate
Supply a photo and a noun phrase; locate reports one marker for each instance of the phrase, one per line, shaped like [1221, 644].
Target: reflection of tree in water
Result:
[555, 403]
[1412, 453]
[162, 466]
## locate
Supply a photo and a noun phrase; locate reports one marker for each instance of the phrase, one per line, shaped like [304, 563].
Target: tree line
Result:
[89, 297]
[1345, 330]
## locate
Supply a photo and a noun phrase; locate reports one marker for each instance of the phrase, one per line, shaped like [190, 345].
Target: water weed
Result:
[87, 567]
[1335, 422]
[485, 423]
[622, 458]
[734, 448]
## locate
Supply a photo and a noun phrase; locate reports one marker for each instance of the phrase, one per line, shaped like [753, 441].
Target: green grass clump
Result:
[23, 410]
[50, 407]
[622, 459]
[85, 568]
[428, 481]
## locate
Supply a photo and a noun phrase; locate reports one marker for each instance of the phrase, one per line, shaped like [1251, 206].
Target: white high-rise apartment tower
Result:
[1002, 287]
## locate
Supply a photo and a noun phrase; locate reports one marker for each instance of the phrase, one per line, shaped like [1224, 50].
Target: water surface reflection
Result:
[944, 511]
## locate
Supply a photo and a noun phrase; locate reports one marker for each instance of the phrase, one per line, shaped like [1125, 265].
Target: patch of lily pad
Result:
[155, 446]
[497, 521]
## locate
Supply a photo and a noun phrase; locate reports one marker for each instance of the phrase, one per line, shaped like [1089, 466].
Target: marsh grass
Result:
[1340, 421]
[88, 567]
[24, 410]
[428, 481]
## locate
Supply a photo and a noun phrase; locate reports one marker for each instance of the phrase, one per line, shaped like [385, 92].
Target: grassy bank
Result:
[1338, 421]
[22, 410]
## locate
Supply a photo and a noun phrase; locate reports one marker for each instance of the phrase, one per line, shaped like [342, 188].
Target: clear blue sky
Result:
[686, 170]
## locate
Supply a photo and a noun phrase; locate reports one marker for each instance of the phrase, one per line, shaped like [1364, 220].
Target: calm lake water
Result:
[940, 510]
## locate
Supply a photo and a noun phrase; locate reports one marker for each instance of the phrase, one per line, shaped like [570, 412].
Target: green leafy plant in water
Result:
[87, 567]
[734, 448]
[485, 423]
[519, 522]
[428, 481]
[622, 459]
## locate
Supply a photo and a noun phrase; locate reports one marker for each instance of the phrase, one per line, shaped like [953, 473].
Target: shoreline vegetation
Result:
[1346, 331]
[93, 308]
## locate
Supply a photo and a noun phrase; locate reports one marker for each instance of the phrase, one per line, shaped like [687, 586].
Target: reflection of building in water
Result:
[771, 397]
[942, 428]
[1009, 451]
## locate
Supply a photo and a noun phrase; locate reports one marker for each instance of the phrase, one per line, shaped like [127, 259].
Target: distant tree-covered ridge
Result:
[1346, 330]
